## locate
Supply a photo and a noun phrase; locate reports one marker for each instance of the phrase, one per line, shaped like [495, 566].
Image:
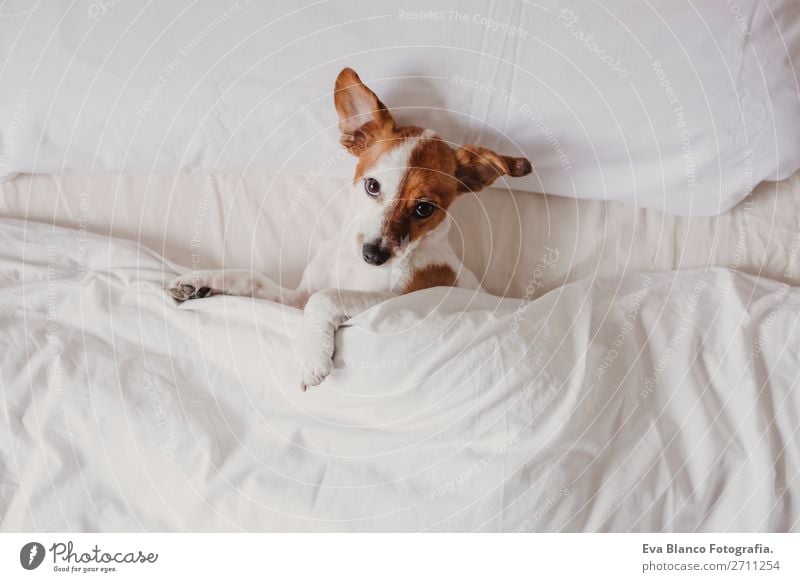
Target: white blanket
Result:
[655, 402]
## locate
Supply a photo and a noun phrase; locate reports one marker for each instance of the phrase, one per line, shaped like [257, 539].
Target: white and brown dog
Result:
[405, 181]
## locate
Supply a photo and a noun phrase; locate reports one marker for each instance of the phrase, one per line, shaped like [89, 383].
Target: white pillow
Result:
[679, 107]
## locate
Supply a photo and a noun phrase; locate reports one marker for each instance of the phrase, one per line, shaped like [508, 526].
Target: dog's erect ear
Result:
[477, 167]
[363, 119]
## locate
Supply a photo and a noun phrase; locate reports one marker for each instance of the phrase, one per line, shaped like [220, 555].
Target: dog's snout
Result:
[374, 254]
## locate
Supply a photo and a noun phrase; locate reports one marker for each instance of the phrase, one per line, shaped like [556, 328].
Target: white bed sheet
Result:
[446, 411]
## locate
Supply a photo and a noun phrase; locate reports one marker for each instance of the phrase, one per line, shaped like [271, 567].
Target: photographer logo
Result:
[31, 555]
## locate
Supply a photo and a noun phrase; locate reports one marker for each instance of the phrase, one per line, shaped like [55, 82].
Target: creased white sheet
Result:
[657, 402]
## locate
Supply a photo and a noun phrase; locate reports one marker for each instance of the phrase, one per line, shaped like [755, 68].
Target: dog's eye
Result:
[423, 209]
[372, 186]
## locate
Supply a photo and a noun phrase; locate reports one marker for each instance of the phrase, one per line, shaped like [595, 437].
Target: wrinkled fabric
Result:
[655, 402]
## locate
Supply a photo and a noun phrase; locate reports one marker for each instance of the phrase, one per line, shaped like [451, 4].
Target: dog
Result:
[405, 180]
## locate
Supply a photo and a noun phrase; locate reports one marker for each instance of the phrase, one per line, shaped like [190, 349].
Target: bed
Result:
[633, 365]
[656, 391]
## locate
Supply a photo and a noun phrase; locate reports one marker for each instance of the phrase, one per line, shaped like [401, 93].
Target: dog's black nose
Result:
[374, 254]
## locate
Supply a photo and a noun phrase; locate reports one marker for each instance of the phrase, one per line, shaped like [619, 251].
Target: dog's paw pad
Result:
[184, 291]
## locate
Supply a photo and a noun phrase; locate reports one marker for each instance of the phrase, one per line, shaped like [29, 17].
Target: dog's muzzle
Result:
[374, 254]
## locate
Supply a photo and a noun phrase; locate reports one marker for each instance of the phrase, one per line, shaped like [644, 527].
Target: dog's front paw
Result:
[188, 287]
[315, 368]
[320, 321]
[316, 356]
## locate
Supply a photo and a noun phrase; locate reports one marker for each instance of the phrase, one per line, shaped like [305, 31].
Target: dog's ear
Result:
[363, 119]
[477, 167]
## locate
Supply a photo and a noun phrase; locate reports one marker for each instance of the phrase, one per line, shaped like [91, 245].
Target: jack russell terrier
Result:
[405, 181]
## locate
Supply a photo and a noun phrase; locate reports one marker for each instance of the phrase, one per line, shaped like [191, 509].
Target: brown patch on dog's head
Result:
[433, 173]
[429, 180]
[372, 153]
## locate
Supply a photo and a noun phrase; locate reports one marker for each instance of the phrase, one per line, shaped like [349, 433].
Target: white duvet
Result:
[665, 401]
